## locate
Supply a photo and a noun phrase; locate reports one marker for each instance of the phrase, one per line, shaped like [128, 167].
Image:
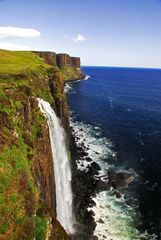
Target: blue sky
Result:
[101, 32]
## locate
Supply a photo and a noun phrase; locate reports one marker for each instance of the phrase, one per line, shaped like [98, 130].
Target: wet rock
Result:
[84, 189]
[82, 144]
[79, 149]
[120, 179]
[97, 153]
[92, 171]
[91, 213]
[95, 238]
[102, 186]
[88, 159]
[117, 194]
[100, 221]
[92, 202]
[84, 153]
[95, 165]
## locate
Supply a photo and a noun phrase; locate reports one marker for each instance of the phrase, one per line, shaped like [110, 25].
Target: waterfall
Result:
[62, 170]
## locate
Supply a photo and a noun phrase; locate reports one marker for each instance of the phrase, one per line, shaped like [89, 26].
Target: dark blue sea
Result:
[118, 111]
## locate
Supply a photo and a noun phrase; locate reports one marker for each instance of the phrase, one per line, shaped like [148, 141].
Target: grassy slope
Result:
[20, 68]
[20, 62]
[70, 73]
[22, 75]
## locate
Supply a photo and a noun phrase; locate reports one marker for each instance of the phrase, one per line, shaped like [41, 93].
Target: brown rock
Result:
[49, 57]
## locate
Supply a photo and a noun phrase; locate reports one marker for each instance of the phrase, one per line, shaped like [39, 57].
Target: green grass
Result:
[19, 199]
[23, 77]
[21, 63]
[18, 192]
[70, 73]
[41, 227]
[26, 72]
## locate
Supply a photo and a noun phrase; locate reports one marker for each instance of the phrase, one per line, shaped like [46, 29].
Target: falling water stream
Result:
[62, 170]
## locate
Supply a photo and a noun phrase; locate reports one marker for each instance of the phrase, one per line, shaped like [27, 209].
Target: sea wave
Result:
[68, 86]
[114, 218]
[99, 148]
[86, 77]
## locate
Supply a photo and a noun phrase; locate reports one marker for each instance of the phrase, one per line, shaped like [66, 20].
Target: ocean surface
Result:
[117, 111]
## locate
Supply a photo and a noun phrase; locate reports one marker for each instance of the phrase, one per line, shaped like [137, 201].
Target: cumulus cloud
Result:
[79, 38]
[7, 32]
[12, 46]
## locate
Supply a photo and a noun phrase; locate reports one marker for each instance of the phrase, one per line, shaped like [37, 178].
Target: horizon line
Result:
[157, 68]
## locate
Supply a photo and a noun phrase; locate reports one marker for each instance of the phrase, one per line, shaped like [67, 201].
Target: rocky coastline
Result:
[88, 183]
[82, 77]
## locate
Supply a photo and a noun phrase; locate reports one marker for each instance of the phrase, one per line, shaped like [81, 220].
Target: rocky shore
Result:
[83, 184]
[86, 184]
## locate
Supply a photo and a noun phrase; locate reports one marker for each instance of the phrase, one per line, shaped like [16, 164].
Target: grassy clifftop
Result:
[27, 207]
[21, 62]
[22, 69]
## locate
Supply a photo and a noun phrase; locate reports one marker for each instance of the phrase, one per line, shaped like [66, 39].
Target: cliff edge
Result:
[27, 195]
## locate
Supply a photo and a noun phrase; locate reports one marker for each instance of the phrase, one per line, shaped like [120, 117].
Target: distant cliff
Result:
[27, 195]
[65, 60]
[59, 60]
[69, 66]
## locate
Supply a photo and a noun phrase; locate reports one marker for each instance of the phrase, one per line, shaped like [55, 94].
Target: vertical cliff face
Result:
[75, 62]
[59, 60]
[64, 59]
[27, 195]
[49, 57]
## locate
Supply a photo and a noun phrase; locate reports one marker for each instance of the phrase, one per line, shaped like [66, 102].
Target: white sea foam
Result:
[99, 148]
[82, 79]
[68, 86]
[86, 77]
[114, 218]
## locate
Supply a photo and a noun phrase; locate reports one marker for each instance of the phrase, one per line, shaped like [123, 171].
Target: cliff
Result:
[27, 196]
[69, 67]
[64, 59]
[59, 60]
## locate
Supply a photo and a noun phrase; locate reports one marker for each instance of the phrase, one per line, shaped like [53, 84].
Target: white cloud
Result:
[79, 38]
[6, 32]
[12, 46]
